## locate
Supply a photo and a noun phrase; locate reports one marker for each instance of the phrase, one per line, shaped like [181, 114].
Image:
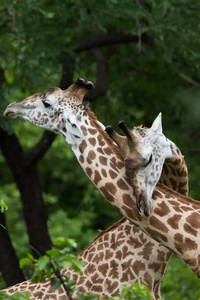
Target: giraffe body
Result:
[120, 255]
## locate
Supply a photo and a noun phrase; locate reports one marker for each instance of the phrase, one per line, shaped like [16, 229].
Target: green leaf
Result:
[71, 242]
[54, 253]
[59, 241]
[24, 262]
[55, 283]
[42, 262]
[30, 256]
[3, 206]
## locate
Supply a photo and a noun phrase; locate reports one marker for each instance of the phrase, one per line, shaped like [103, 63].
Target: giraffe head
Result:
[144, 151]
[54, 109]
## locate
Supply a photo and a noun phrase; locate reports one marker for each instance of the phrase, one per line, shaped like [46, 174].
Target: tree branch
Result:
[39, 149]
[112, 38]
[189, 80]
[100, 88]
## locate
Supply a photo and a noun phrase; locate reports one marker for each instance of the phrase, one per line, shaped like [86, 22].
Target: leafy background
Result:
[157, 69]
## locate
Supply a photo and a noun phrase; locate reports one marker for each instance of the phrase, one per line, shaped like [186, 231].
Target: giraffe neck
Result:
[139, 258]
[174, 221]
[175, 174]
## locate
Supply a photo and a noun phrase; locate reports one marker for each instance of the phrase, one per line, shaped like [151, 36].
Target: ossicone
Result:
[82, 83]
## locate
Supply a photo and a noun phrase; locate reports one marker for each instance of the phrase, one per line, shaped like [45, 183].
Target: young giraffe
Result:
[114, 257]
[174, 221]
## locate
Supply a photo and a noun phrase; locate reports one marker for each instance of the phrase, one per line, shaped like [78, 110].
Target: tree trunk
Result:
[26, 178]
[9, 265]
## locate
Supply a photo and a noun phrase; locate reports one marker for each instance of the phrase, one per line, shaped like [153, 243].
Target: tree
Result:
[143, 57]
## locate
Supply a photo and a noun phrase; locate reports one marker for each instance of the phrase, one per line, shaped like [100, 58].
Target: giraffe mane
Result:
[93, 118]
[102, 233]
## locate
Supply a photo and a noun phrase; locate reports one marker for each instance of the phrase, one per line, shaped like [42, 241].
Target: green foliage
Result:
[141, 80]
[61, 257]
[179, 282]
[134, 291]
[55, 259]
[3, 206]
[16, 296]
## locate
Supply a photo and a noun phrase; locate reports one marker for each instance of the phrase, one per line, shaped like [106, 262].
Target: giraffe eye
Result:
[46, 104]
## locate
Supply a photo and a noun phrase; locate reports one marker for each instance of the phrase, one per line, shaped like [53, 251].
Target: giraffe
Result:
[143, 158]
[174, 220]
[114, 257]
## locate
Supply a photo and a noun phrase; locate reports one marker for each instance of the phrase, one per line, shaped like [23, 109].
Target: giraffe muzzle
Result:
[143, 204]
[9, 113]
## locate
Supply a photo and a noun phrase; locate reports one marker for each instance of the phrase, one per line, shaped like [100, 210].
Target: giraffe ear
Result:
[157, 124]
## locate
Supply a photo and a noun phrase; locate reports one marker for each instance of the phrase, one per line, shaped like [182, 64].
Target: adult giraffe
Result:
[64, 113]
[122, 254]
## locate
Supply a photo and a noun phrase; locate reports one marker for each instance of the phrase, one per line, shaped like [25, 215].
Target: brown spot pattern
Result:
[92, 141]
[104, 173]
[154, 266]
[128, 200]
[147, 251]
[113, 269]
[101, 140]
[103, 160]
[194, 220]
[100, 150]
[88, 172]
[157, 194]
[161, 255]
[174, 221]
[173, 183]
[138, 266]
[122, 185]
[82, 146]
[92, 131]
[108, 151]
[184, 246]
[84, 130]
[117, 163]
[159, 237]
[162, 209]
[190, 230]
[186, 208]
[147, 279]
[108, 190]
[103, 269]
[97, 177]
[155, 222]
[91, 156]
[81, 159]
[112, 174]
